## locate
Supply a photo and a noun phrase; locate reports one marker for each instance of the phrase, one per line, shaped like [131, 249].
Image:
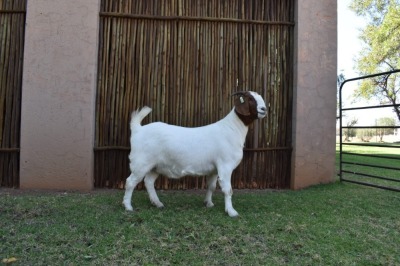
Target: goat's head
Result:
[249, 106]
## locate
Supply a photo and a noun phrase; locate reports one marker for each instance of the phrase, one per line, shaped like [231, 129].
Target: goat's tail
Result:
[137, 116]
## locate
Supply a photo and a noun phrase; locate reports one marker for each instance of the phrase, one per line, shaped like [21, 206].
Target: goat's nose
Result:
[264, 109]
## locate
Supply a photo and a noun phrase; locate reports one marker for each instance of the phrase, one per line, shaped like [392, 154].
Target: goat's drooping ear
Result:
[242, 103]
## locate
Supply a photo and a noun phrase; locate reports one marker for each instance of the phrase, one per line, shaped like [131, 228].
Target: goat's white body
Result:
[214, 150]
[188, 151]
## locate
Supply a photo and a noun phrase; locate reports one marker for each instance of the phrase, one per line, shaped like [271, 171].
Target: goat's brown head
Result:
[249, 106]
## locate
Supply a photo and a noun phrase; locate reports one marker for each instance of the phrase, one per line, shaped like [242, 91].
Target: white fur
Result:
[214, 150]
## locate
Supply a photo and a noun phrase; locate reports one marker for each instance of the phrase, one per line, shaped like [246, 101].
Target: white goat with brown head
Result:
[214, 150]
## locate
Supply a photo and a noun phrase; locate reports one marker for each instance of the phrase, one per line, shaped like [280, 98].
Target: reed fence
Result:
[12, 32]
[184, 59]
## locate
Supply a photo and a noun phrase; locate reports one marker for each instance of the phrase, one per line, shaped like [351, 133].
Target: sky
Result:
[349, 47]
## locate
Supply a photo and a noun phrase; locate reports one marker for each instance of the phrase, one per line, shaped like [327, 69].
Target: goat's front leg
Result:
[226, 187]
[211, 185]
[130, 185]
[149, 183]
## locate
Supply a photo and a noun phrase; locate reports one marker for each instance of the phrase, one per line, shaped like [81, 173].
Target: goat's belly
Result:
[176, 171]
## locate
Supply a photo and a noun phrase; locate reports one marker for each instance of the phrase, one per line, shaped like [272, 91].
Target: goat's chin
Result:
[261, 115]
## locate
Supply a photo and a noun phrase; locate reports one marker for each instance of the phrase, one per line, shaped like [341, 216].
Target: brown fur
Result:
[246, 110]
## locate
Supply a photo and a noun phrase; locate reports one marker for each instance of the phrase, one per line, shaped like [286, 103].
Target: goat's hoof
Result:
[233, 213]
[128, 207]
[158, 204]
[209, 204]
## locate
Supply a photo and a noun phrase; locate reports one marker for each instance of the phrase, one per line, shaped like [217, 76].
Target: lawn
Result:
[335, 224]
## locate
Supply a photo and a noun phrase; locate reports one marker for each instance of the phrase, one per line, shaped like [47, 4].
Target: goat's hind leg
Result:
[149, 183]
[211, 185]
[131, 183]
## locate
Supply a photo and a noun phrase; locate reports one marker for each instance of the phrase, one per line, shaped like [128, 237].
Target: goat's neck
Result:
[233, 122]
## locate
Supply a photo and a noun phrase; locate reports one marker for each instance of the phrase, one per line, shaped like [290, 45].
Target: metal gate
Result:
[372, 164]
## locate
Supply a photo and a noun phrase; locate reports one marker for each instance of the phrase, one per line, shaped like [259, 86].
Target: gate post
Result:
[314, 99]
[58, 94]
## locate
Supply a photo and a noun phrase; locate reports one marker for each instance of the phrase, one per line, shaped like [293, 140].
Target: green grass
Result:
[335, 224]
[393, 151]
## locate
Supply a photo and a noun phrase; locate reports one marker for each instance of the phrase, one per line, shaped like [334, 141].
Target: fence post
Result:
[313, 157]
[58, 94]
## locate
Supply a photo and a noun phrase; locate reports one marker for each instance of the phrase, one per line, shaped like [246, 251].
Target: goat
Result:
[213, 150]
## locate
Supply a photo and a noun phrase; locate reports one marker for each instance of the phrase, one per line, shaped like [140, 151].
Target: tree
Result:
[381, 51]
[385, 122]
[339, 80]
[350, 132]
[365, 134]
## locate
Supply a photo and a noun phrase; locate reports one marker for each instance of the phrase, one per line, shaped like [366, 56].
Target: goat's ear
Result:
[242, 105]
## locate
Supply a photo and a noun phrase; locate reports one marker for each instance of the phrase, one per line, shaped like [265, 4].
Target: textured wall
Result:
[60, 66]
[57, 127]
[314, 93]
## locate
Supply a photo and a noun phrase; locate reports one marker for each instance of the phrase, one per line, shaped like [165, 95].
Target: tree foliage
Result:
[366, 134]
[350, 131]
[339, 80]
[381, 50]
[385, 122]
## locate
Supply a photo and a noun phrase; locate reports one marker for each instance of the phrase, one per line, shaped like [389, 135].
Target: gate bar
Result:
[372, 165]
[376, 127]
[374, 176]
[370, 185]
[371, 145]
[370, 107]
[371, 155]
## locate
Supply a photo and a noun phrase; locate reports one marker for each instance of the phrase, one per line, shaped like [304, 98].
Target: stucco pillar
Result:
[314, 111]
[58, 94]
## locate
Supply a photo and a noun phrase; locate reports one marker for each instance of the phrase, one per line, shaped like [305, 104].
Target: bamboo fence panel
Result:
[12, 31]
[184, 59]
